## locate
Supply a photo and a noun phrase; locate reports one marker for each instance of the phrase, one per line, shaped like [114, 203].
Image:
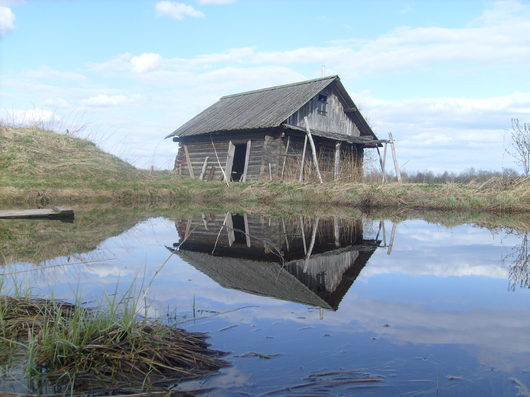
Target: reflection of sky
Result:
[438, 306]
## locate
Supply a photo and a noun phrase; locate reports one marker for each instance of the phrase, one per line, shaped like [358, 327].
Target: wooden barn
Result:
[310, 130]
[313, 261]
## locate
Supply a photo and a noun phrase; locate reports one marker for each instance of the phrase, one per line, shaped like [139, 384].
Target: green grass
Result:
[40, 167]
[71, 346]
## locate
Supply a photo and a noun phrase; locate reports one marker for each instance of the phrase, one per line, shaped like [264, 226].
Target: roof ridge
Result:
[334, 77]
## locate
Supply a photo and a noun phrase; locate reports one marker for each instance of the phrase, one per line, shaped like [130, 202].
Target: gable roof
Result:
[264, 108]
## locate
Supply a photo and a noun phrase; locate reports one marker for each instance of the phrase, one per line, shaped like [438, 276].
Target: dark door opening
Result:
[238, 223]
[239, 162]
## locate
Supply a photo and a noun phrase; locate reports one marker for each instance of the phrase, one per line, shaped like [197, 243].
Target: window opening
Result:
[322, 104]
[238, 222]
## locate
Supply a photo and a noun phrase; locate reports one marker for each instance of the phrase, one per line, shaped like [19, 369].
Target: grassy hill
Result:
[31, 156]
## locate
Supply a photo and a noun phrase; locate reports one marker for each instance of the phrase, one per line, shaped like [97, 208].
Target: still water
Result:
[306, 305]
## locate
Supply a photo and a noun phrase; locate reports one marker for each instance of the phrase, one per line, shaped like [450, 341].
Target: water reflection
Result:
[299, 259]
[518, 260]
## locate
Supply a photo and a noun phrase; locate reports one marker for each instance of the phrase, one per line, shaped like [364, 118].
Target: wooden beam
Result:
[230, 160]
[53, 213]
[219, 162]
[392, 237]
[384, 162]
[230, 229]
[336, 168]
[247, 232]
[247, 157]
[188, 161]
[303, 160]
[285, 158]
[270, 171]
[311, 244]
[303, 233]
[336, 231]
[396, 165]
[313, 148]
[203, 170]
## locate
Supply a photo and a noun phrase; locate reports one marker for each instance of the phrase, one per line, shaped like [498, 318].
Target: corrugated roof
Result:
[265, 108]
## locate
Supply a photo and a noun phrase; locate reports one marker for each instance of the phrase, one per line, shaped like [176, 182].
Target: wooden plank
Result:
[188, 161]
[303, 160]
[219, 162]
[230, 160]
[211, 173]
[336, 231]
[247, 158]
[203, 170]
[313, 149]
[247, 231]
[384, 163]
[303, 234]
[311, 244]
[270, 171]
[230, 229]
[285, 156]
[336, 169]
[396, 165]
[43, 213]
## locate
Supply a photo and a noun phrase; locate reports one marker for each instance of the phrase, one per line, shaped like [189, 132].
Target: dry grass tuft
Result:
[101, 349]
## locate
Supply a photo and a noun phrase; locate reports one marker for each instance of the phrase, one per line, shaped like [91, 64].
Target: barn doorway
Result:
[239, 162]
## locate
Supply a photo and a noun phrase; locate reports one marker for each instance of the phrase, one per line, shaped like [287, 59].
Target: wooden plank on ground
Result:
[43, 213]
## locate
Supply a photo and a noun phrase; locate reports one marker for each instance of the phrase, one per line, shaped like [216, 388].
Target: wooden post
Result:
[311, 244]
[303, 233]
[303, 160]
[285, 235]
[270, 171]
[313, 149]
[285, 158]
[230, 229]
[188, 162]
[392, 236]
[247, 232]
[247, 158]
[336, 231]
[230, 160]
[336, 169]
[204, 165]
[384, 163]
[396, 165]
[204, 221]
[219, 162]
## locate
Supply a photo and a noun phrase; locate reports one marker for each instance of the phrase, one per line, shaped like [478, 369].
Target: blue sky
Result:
[445, 77]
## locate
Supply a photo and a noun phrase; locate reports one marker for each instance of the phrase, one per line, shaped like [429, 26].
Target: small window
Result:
[322, 104]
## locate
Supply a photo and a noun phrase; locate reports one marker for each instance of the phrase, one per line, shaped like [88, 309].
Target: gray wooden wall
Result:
[335, 120]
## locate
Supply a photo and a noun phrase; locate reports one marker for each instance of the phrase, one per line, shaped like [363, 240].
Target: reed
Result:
[110, 348]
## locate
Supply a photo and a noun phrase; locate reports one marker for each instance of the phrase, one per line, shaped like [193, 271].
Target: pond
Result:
[303, 304]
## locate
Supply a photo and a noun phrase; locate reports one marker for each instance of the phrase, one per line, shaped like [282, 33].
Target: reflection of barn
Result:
[263, 134]
[310, 261]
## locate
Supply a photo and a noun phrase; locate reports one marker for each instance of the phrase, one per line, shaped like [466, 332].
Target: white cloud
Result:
[56, 102]
[26, 117]
[145, 62]
[103, 100]
[7, 20]
[45, 72]
[176, 10]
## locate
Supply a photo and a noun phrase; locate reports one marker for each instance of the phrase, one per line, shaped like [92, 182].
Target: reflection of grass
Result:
[110, 348]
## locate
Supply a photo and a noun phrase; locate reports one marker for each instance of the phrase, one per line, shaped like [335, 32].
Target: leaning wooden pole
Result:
[219, 162]
[313, 149]
[396, 165]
